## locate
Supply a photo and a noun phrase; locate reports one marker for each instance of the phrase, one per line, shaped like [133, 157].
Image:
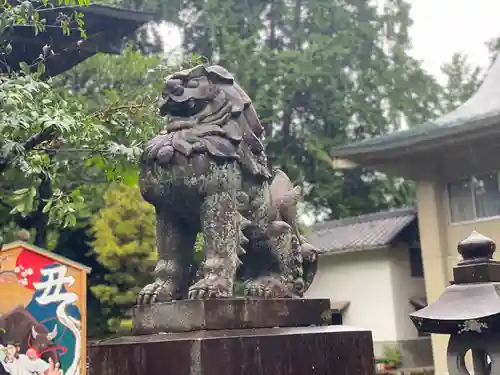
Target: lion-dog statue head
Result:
[208, 112]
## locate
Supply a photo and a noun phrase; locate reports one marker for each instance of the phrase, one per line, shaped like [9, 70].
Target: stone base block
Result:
[318, 350]
[231, 313]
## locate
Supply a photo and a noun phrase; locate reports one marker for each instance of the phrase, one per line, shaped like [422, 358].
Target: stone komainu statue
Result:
[207, 172]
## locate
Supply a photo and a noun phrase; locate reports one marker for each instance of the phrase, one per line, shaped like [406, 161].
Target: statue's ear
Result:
[198, 71]
[218, 74]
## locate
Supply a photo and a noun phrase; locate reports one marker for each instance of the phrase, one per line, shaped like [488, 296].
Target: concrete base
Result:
[330, 350]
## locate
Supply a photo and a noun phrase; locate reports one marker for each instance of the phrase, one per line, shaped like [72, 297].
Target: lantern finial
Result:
[476, 248]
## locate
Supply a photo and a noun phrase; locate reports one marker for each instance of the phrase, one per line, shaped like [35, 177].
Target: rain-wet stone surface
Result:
[234, 313]
[326, 350]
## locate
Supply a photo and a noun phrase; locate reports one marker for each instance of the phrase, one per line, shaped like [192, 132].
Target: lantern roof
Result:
[472, 303]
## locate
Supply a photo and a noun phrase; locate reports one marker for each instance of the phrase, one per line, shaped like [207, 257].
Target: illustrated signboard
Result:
[42, 312]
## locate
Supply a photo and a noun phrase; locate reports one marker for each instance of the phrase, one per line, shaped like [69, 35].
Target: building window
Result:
[474, 198]
[416, 265]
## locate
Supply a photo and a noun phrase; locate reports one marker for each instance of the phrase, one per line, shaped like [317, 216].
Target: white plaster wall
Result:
[364, 279]
[404, 286]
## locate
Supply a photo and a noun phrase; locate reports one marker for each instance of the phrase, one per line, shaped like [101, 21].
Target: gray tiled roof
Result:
[361, 232]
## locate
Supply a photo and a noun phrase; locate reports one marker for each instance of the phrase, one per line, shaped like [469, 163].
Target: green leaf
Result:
[21, 191]
[130, 178]
[47, 206]
[28, 6]
[40, 69]
[24, 67]
[19, 208]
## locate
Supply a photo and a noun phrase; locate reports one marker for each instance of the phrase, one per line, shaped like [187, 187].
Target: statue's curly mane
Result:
[209, 113]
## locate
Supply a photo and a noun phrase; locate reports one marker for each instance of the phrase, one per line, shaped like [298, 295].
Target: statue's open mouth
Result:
[187, 108]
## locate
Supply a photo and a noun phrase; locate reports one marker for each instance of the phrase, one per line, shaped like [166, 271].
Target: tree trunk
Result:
[41, 222]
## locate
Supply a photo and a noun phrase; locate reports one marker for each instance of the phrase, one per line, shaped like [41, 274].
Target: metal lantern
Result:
[469, 309]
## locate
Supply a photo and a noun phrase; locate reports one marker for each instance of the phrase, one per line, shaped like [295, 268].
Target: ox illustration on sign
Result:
[42, 319]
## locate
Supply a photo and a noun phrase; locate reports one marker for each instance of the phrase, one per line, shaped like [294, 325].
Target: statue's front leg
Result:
[220, 225]
[175, 242]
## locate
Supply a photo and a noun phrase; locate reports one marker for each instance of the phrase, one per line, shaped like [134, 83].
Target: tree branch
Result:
[75, 184]
[31, 142]
[38, 138]
[107, 110]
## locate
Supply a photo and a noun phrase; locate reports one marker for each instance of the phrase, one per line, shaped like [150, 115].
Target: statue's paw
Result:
[159, 291]
[159, 150]
[211, 287]
[266, 287]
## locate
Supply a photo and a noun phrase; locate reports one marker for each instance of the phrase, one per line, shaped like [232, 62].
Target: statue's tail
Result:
[284, 199]
[310, 262]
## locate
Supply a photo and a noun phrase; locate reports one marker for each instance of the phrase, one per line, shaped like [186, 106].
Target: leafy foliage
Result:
[32, 115]
[125, 242]
[30, 14]
[493, 47]
[50, 147]
[462, 80]
[60, 137]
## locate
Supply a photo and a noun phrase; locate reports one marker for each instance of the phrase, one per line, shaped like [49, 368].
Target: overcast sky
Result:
[442, 27]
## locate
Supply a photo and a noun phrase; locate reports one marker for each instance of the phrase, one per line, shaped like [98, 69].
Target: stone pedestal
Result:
[233, 313]
[235, 337]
